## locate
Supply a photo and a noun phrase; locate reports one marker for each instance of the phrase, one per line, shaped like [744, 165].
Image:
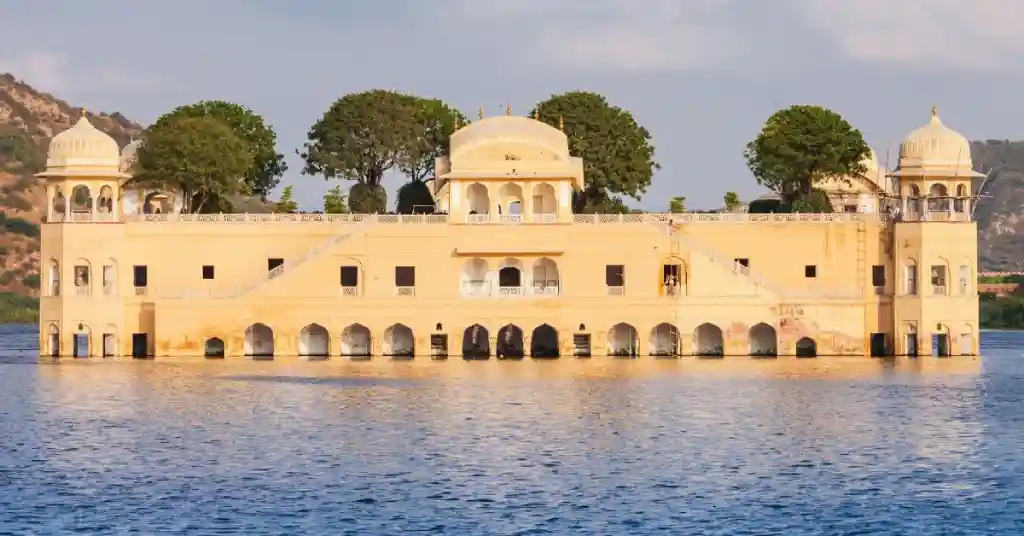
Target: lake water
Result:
[733, 447]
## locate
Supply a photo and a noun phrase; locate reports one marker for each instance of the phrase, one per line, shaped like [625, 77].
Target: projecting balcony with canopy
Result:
[509, 278]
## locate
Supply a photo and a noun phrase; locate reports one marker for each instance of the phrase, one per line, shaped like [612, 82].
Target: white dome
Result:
[935, 145]
[83, 146]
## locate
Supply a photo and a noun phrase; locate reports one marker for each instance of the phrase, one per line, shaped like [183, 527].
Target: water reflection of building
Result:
[504, 268]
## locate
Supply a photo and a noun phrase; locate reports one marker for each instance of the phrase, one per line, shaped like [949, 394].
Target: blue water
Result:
[731, 447]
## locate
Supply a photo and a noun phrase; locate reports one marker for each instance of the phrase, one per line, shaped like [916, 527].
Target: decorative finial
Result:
[536, 114]
[561, 123]
[508, 109]
[84, 112]
[480, 114]
[935, 111]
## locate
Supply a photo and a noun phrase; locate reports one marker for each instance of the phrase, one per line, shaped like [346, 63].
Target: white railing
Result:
[436, 219]
[511, 218]
[476, 288]
[405, 291]
[140, 291]
[350, 292]
[544, 290]
[616, 291]
[82, 290]
[510, 291]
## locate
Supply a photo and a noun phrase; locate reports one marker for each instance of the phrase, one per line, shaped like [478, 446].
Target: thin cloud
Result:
[922, 34]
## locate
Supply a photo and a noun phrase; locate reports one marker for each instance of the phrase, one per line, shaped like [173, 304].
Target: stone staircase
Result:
[312, 253]
[687, 241]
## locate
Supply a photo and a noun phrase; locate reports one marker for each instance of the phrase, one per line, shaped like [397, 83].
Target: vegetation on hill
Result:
[1000, 207]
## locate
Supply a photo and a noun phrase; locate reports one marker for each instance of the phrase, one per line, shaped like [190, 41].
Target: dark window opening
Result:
[615, 275]
[274, 263]
[140, 276]
[878, 275]
[810, 270]
[350, 276]
[509, 277]
[405, 276]
[850, 208]
[743, 262]
[207, 272]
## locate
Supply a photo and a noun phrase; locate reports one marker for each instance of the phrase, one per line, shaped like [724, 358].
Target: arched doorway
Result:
[82, 342]
[54, 341]
[213, 348]
[665, 341]
[623, 340]
[399, 342]
[544, 342]
[259, 341]
[314, 341]
[474, 278]
[763, 341]
[476, 343]
[355, 341]
[510, 342]
[806, 347]
[708, 341]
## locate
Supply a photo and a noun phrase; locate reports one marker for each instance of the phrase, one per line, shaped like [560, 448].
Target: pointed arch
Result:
[708, 341]
[544, 342]
[213, 348]
[623, 340]
[476, 343]
[763, 340]
[510, 342]
[356, 341]
[664, 341]
[399, 341]
[314, 341]
[806, 347]
[259, 341]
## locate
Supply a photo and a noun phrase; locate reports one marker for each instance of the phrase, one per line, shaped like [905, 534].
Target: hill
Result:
[28, 120]
[1000, 210]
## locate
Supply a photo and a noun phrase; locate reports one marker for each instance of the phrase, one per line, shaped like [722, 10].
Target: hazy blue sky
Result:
[701, 75]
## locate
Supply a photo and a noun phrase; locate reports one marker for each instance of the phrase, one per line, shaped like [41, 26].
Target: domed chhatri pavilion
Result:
[504, 269]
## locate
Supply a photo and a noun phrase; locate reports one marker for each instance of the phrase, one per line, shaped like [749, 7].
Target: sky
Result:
[701, 75]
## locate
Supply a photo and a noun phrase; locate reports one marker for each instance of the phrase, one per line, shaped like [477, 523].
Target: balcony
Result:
[545, 288]
[476, 288]
[510, 218]
[510, 291]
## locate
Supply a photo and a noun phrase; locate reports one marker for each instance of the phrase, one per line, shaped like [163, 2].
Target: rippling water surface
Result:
[732, 447]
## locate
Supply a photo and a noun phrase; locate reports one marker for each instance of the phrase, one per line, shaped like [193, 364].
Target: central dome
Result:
[83, 145]
[935, 144]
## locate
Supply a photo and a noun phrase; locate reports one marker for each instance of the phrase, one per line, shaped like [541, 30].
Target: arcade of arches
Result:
[512, 342]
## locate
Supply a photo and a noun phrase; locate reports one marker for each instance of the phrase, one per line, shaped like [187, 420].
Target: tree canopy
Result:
[438, 122]
[800, 146]
[335, 202]
[731, 200]
[267, 165]
[618, 157]
[286, 204]
[201, 157]
[362, 136]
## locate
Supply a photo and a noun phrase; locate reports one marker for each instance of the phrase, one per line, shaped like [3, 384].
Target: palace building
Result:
[504, 269]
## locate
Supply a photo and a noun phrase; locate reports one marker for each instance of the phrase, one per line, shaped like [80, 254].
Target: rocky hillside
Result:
[1000, 211]
[28, 119]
